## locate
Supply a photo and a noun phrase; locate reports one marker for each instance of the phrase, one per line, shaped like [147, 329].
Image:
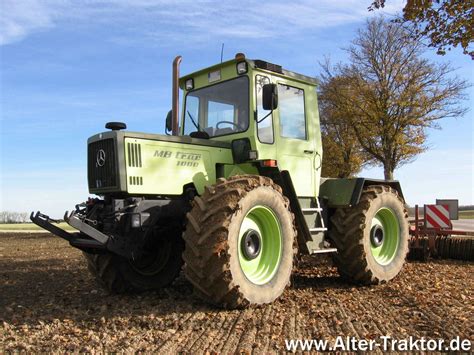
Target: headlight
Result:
[136, 220]
[189, 84]
[242, 67]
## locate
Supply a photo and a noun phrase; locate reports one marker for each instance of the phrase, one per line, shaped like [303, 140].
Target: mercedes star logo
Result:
[100, 159]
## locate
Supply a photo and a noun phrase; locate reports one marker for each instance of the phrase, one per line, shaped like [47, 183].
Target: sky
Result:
[68, 67]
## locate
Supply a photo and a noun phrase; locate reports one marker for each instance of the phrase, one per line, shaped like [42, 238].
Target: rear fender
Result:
[346, 192]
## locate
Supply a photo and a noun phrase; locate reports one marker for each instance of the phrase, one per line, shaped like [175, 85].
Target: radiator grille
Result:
[102, 171]
[136, 180]
[134, 155]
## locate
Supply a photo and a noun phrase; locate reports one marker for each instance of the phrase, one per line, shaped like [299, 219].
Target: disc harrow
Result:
[445, 243]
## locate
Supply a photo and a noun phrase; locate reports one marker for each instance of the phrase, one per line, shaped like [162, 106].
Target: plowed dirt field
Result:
[49, 302]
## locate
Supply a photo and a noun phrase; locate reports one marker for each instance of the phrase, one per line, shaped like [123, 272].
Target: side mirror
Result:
[270, 97]
[169, 123]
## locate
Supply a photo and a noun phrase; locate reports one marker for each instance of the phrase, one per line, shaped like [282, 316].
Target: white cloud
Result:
[196, 20]
[20, 18]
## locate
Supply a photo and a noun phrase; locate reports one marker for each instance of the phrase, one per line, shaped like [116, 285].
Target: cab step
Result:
[318, 229]
[325, 250]
[312, 209]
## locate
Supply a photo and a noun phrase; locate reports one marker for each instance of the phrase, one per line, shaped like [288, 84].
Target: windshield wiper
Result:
[193, 121]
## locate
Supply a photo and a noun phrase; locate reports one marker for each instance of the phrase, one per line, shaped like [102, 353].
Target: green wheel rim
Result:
[386, 221]
[264, 266]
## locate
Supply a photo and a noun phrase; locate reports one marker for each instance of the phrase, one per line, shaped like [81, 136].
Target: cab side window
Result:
[291, 107]
[264, 117]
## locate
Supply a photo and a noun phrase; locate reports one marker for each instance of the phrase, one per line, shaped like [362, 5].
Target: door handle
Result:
[309, 151]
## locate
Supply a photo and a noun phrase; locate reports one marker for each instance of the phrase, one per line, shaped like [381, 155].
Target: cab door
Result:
[295, 144]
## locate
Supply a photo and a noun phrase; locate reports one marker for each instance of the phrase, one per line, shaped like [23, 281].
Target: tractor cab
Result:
[265, 112]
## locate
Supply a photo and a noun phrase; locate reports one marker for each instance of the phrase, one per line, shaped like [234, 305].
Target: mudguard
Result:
[346, 192]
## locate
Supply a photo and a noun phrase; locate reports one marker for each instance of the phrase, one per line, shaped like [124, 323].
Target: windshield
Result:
[218, 109]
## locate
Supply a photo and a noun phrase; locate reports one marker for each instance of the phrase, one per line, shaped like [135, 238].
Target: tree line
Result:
[14, 217]
[376, 108]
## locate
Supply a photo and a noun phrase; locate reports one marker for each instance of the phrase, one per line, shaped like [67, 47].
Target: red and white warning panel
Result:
[437, 216]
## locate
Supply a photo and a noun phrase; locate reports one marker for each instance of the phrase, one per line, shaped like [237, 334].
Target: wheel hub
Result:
[251, 244]
[156, 253]
[260, 245]
[376, 235]
[384, 236]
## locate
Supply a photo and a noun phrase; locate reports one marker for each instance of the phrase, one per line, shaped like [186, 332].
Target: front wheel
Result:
[240, 242]
[371, 237]
[157, 267]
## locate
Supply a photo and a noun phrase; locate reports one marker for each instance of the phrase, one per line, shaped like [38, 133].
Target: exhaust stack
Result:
[175, 99]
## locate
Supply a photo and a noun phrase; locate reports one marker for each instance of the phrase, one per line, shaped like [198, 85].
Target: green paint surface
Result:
[387, 220]
[261, 269]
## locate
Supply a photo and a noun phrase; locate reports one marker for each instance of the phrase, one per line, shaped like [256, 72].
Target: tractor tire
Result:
[240, 242]
[371, 237]
[158, 267]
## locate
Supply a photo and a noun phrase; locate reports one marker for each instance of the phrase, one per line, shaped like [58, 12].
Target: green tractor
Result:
[233, 192]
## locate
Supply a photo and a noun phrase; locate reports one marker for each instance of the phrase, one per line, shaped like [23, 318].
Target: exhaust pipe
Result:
[175, 99]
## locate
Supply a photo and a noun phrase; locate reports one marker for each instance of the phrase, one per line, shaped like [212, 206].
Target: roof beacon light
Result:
[239, 56]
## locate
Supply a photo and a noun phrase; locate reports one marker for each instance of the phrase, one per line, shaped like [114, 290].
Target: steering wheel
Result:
[228, 122]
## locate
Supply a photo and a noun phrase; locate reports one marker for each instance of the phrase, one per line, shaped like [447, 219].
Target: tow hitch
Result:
[88, 238]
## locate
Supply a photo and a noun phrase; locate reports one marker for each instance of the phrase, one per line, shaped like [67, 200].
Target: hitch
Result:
[80, 240]
[85, 228]
[44, 222]
[88, 238]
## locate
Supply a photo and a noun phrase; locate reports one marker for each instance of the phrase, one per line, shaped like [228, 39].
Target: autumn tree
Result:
[445, 23]
[339, 160]
[343, 156]
[389, 94]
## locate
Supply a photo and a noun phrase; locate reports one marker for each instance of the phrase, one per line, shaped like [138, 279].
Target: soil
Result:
[49, 302]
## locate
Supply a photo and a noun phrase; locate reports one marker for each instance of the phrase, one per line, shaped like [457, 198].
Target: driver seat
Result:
[222, 131]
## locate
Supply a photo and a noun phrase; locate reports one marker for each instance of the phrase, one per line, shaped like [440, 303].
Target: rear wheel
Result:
[156, 268]
[240, 242]
[371, 237]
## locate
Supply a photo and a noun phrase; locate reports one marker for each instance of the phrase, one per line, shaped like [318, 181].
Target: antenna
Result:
[222, 51]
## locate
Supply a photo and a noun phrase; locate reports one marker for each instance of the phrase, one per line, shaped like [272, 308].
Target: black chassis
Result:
[106, 224]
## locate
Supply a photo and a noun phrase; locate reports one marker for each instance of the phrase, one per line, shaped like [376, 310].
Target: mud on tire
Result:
[213, 231]
[351, 234]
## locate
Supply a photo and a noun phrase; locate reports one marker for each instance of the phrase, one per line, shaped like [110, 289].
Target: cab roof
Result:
[254, 63]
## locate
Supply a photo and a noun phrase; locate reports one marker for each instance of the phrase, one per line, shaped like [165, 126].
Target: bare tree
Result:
[13, 217]
[24, 217]
[390, 94]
